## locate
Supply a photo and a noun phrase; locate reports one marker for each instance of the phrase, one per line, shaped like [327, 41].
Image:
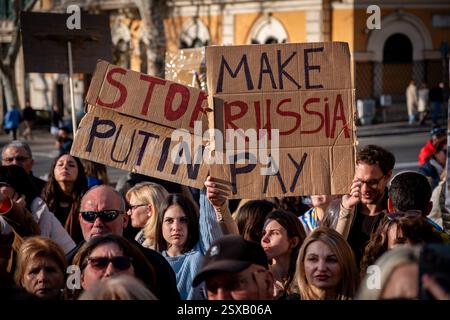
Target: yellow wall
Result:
[342, 26]
[242, 26]
[437, 34]
[293, 22]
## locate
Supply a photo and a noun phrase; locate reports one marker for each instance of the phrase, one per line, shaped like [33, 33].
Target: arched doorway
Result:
[268, 30]
[397, 55]
[194, 35]
[397, 64]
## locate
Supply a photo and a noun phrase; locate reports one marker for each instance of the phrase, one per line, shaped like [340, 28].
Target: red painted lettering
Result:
[198, 108]
[152, 83]
[229, 118]
[174, 89]
[122, 89]
[305, 105]
[339, 107]
[288, 114]
[267, 126]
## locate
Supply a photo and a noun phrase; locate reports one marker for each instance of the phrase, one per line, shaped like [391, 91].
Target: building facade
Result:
[392, 43]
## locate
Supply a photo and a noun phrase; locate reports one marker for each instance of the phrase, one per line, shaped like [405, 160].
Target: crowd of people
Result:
[76, 236]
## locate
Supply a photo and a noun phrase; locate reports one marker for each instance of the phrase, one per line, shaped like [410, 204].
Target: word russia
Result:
[304, 91]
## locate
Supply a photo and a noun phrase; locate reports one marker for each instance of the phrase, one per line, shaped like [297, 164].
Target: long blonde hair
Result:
[346, 260]
[153, 194]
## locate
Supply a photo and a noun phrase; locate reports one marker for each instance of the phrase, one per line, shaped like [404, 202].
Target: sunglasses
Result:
[18, 159]
[404, 214]
[118, 262]
[105, 215]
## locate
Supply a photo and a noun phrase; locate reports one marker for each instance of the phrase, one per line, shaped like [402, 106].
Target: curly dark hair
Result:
[410, 191]
[193, 228]
[415, 229]
[373, 154]
[53, 195]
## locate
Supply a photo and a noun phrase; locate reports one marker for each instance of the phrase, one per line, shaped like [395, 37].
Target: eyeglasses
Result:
[372, 183]
[132, 208]
[105, 215]
[118, 262]
[404, 214]
[18, 159]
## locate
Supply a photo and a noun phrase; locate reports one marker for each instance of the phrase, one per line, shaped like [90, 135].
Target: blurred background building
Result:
[409, 45]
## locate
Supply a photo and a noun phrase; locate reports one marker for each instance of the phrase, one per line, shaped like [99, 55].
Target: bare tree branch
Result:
[15, 44]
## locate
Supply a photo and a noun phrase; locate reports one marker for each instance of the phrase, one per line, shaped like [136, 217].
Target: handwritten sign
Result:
[302, 95]
[148, 98]
[131, 144]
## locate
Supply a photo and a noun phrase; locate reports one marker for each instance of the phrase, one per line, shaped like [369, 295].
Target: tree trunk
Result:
[152, 13]
[8, 59]
[9, 87]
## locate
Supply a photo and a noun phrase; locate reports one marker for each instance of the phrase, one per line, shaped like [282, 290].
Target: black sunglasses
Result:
[119, 262]
[105, 215]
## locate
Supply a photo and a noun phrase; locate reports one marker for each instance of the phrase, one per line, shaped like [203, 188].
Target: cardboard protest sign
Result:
[149, 98]
[135, 145]
[302, 95]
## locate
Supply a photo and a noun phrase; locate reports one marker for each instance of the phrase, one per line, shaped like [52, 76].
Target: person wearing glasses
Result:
[65, 186]
[19, 153]
[110, 255]
[145, 200]
[236, 269]
[364, 207]
[103, 211]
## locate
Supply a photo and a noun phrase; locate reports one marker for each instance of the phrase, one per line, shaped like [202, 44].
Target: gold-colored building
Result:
[391, 43]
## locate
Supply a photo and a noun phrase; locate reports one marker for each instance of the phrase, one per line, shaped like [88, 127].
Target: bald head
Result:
[98, 199]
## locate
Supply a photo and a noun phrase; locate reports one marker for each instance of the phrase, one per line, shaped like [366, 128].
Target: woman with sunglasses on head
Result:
[183, 235]
[103, 257]
[63, 192]
[16, 186]
[145, 200]
[409, 227]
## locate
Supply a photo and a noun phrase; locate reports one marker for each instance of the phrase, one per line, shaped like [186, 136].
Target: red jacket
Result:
[426, 152]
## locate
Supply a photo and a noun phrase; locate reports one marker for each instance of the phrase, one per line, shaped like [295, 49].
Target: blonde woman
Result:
[145, 199]
[326, 267]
